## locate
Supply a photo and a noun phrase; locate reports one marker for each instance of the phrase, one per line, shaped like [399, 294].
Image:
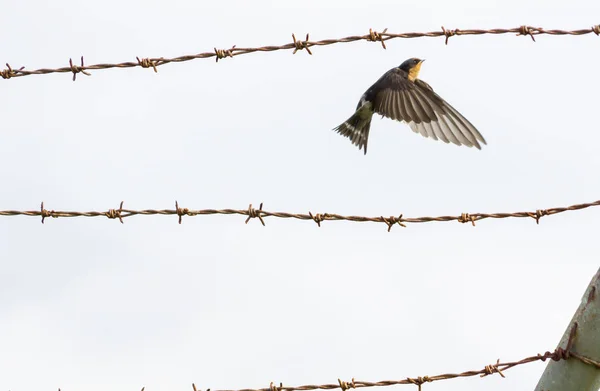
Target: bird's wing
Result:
[425, 111]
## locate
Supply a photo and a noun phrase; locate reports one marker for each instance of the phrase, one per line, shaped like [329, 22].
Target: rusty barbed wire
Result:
[318, 218]
[296, 45]
[499, 368]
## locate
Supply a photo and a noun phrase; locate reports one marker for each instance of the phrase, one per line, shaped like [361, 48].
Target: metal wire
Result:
[498, 367]
[295, 45]
[261, 214]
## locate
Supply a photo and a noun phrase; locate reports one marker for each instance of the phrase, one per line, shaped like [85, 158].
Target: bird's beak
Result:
[422, 61]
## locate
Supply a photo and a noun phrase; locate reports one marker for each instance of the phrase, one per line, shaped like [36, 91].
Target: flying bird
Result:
[400, 95]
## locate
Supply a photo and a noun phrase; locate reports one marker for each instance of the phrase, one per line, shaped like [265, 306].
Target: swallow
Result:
[400, 95]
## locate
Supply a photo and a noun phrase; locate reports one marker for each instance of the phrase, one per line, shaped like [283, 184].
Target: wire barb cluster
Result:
[318, 218]
[78, 69]
[372, 36]
[557, 355]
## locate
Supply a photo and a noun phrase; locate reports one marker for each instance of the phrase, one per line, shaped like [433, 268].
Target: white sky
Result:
[90, 304]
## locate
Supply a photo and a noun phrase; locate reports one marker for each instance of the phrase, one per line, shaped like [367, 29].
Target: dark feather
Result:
[397, 98]
[356, 128]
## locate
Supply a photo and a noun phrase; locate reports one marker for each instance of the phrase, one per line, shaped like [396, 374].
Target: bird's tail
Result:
[356, 128]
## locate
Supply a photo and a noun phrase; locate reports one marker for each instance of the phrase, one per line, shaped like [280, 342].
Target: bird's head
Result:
[412, 66]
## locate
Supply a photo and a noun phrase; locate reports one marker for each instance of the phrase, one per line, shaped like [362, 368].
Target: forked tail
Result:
[356, 128]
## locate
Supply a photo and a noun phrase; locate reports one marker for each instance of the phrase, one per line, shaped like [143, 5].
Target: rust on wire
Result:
[253, 213]
[222, 53]
[499, 368]
[585, 360]
[527, 30]
[419, 381]
[491, 369]
[78, 69]
[466, 218]
[301, 44]
[390, 221]
[345, 385]
[181, 211]
[449, 33]
[116, 213]
[374, 36]
[296, 45]
[539, 214]
[9, 72]
[318, 218]
[273, 387]
[147, 63]
[44, 213]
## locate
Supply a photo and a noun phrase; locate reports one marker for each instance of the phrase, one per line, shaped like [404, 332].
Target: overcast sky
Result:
[91, 304]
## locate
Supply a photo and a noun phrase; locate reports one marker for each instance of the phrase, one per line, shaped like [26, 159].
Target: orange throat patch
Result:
[414, 72]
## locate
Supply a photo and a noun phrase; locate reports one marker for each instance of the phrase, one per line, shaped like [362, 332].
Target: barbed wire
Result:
[499, 368]
[295, 45]
[261, 214]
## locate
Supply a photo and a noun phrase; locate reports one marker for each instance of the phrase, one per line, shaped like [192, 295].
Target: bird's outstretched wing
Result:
[422, 109]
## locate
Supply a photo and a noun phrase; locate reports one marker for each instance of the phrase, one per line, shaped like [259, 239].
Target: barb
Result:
[318, 218]
[556, 355]
[372, 36]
